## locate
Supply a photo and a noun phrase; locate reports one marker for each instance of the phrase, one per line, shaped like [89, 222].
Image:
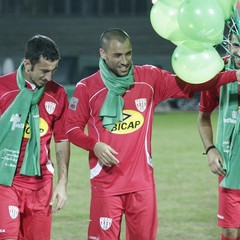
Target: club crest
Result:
[13, 211]
[50, 107]
[141, 104]
[105, 223]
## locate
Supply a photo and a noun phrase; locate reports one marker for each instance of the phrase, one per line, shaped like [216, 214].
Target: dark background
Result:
[76, 25]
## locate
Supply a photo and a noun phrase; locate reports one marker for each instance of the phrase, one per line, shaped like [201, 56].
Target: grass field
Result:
[186, 189]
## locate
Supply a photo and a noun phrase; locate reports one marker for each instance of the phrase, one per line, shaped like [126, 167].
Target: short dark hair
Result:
[113, 33]
[41, 46]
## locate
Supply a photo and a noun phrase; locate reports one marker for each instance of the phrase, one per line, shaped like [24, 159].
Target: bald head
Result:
[113, 34]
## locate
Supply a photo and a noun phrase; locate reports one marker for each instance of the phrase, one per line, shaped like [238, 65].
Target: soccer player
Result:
[223, 158]
[117, 103]
[32, 109]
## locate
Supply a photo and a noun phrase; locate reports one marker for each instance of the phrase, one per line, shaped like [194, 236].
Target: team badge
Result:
[141, 104]
[73, 103]
[50, 107]
[105, 223]
[13, 211]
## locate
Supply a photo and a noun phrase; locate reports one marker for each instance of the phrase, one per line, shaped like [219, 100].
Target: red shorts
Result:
[229, 208]
[140, 209]
[25, 214]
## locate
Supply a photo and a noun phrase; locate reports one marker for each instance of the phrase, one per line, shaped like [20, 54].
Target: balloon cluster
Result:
[195, 27]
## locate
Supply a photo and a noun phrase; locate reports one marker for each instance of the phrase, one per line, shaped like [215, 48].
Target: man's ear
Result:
[27, 65]
[102, 53]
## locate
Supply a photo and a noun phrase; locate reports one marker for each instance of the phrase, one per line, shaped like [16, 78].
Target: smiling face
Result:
[118, 56]
[235, 50]
[40, 73]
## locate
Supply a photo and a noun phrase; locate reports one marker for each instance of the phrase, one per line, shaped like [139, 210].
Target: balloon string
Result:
[224, 44]
[231, 24]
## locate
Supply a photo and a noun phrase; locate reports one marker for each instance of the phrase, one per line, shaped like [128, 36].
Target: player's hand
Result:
[105, 154]
[238, 75]
[59, 197]
[215, 162]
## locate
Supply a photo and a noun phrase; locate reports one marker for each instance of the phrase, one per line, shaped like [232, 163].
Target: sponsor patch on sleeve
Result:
[73, 103]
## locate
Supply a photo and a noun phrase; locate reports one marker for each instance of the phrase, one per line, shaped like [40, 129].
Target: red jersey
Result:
[52, 111]
[131, 138]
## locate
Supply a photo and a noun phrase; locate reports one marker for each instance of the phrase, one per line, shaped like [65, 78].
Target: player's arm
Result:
[62, 159]
[78, 114]
[62, 149]
[77, 118]
[168, 85]
[206, 133]
[205, 129]
[220, 79]
[105, 154]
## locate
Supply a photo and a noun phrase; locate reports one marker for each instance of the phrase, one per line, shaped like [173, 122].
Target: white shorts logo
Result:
[13, 211]
[220, 216]
[105, 223]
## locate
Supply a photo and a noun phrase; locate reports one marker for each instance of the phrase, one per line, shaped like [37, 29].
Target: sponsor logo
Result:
[229, 120]
[141, 104]
[73, 103]
[43, 128]
[15, 119]
[2, 230]
[50, 107]
[232, 119]
[13, 211]
[105, 223]
[132, 121]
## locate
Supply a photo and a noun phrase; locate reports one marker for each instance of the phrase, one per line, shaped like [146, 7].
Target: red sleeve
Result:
[168, 85]
[78, 138]
[219, 80]
[77, 118]
[59, 124]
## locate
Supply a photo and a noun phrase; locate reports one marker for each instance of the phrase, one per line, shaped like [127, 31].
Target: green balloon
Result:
[163, 17]
[228, 7]
[196, 62]
[202, 20]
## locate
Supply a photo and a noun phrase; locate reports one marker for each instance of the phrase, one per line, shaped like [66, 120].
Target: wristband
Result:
[208, 149]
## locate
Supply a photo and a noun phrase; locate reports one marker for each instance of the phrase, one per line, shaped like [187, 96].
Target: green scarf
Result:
[228, 138]
[12, 124]
[111, 110]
